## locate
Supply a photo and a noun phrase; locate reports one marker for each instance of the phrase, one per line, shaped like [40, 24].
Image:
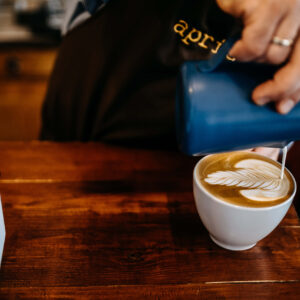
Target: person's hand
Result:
[269, 152]
[263, 21]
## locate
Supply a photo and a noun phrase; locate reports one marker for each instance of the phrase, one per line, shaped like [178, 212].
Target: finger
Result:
[247, 150]
[237, 9]
[285, 82]
[284, 106]
[287, 29]
[296, 96]
[272, 153]
[257, 34]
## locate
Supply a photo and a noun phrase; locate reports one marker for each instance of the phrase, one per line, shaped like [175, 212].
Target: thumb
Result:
[230, 6]
[240, 9]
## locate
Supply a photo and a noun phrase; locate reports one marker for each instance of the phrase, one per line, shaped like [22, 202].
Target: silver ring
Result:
[282, 42]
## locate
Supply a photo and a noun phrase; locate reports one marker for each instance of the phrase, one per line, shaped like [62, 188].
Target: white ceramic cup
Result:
[236, 227]
[2, 232]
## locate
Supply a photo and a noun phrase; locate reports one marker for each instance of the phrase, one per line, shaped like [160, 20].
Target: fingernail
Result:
[262, 101]
[287, 106]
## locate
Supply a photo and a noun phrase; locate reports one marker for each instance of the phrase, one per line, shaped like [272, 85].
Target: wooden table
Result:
[89, 221]
[24, 76]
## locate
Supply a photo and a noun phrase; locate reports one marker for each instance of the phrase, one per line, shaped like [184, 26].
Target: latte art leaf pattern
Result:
[244, 178]
[258, 180]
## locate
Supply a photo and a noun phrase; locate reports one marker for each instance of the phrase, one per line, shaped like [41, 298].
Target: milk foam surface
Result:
[258, 180]
[245, 179]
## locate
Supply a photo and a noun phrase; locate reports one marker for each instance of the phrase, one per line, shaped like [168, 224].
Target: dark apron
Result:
[115, 76]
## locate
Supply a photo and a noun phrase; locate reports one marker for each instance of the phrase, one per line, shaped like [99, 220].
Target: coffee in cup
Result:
[245, 179]
[240, 197]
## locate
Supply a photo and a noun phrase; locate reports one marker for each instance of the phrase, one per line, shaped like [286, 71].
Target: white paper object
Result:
[2, 232]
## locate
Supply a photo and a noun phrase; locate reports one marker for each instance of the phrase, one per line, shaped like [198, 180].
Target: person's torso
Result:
[115, 76]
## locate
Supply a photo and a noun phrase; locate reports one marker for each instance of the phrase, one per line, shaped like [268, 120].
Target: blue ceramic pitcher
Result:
[215, 113]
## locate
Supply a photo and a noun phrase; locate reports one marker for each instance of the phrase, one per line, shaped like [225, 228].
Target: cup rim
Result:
[202, 188]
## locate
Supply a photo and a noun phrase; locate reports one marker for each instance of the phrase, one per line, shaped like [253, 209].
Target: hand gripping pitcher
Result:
[215, 113]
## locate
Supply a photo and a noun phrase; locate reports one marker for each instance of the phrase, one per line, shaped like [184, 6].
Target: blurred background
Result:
[29, 39]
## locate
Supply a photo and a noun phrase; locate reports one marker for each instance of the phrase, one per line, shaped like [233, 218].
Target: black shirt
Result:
[115, 75]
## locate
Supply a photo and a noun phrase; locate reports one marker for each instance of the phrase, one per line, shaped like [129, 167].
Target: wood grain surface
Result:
[89, 221]
[293, 163]
[24, 74]
[26, 62]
